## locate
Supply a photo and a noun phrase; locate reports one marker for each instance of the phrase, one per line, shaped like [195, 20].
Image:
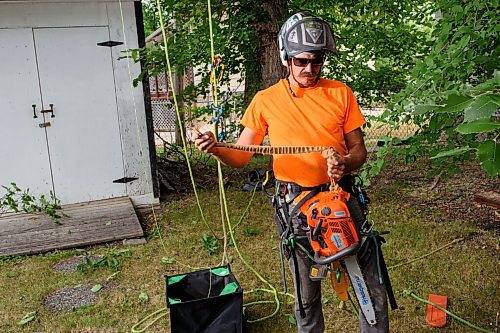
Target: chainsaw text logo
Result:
[361, 289]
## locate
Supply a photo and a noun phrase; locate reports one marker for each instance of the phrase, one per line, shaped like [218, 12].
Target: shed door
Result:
[76, 76]
[23, 149]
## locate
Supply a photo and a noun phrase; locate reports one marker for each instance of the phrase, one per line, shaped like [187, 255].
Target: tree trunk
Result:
[267, 31]
[267, 54]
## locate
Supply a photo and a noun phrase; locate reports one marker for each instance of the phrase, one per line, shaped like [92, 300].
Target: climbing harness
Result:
[332, 237]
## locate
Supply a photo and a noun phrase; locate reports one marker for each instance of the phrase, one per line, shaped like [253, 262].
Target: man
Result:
[306, 110]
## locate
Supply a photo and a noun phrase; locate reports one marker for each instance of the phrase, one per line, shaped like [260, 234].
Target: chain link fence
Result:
[164, 119]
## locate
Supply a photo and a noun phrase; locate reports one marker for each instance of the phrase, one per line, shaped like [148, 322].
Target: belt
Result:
[345, 183]
[291, 187]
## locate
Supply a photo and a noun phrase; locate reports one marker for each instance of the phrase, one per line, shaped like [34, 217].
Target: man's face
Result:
[305, 68]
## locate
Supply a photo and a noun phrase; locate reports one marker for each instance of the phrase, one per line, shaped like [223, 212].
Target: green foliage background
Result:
[430, 63]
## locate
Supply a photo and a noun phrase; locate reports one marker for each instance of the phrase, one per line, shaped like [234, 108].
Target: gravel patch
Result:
[70, 265]
[70, 298]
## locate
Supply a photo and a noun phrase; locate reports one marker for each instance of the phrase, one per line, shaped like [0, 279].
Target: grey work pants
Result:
[311, 290]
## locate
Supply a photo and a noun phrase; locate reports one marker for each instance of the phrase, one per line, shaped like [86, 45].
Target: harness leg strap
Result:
[385, 274]
[297, 282]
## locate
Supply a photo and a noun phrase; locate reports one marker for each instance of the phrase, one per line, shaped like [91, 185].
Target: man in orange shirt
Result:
[306, 110]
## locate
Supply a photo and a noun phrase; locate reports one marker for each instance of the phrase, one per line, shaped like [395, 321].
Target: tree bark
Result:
[267, 31]
[269, 70]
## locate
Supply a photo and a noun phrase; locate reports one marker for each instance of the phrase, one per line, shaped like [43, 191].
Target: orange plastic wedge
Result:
[341, 287]
[436, 317]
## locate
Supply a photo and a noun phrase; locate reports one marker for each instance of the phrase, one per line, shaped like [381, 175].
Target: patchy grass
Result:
[466, 272]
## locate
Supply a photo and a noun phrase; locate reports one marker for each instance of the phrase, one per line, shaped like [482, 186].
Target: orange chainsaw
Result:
[334, 236]
[332, 232]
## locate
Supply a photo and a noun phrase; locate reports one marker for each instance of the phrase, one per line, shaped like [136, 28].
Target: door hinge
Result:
[109, 43]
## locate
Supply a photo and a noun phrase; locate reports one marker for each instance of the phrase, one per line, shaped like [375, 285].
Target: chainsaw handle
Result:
[317, 228]
[351, 250]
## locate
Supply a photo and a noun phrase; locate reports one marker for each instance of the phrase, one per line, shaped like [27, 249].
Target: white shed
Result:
[70, 120]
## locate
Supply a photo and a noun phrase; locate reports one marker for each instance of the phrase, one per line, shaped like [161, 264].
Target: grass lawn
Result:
[466, 272]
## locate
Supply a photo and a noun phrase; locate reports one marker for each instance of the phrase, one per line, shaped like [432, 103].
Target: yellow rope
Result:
[222, 190]
[181, 129]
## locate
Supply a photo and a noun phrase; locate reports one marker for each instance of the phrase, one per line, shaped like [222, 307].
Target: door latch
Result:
[49, 111]
[43, 125]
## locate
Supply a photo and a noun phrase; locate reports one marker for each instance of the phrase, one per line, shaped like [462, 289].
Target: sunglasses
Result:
[303, 62]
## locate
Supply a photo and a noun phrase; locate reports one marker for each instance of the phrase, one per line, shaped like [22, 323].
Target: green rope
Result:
[354, 307]
[219, 169]
[303, 249]
[426, 255]
[273, 290]
[248, 206]
[223, 193]
[463, 321]
[181, 129]
[135, 328]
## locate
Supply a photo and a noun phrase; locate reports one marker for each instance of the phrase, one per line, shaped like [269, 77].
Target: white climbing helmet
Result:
[304, 32]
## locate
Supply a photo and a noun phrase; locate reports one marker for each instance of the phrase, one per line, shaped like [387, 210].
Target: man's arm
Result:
[231, 157]
[356, 156]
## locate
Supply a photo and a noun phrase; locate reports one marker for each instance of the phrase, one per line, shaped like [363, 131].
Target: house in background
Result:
[71, 122]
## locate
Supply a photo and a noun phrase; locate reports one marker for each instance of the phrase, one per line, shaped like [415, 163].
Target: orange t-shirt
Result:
[318, 116]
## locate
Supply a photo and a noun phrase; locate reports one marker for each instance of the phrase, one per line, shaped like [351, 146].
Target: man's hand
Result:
[204, 141]
[336, 166]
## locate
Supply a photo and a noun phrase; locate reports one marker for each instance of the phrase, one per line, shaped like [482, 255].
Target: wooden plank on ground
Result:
[85, 224]
[490, 198]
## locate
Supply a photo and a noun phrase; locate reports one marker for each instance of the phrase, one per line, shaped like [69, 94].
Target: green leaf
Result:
[478, 126]
[27, 318]
[175, 279]
[210, 244]
[488, 153]
[96, 288]
[291, 319]
[455, 103]
[421, 109]
[495, 99]
[167, 260]
[481, 108]
[488, 85]
[11, 274]
[143, 296]
[452, 152]
[229, 288]
[251, 232]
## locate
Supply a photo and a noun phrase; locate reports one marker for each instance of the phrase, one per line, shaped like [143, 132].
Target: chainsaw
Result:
[333, 236]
